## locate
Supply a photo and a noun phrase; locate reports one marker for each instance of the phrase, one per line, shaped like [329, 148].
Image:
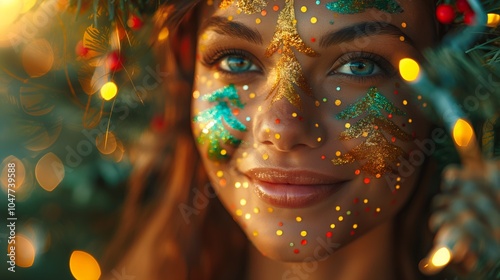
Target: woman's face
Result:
[303, 122]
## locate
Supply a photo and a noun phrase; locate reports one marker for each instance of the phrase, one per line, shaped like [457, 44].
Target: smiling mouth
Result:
[292, 189]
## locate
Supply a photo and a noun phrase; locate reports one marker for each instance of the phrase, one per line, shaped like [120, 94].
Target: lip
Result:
[292, 188]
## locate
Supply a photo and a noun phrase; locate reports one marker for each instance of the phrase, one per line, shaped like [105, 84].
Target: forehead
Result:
[315, 18]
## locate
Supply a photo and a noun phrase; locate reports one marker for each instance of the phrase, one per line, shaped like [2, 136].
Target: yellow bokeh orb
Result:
[462, 133]
[441, 257]
[84, 266]
[493, 20]
[409, 69]
[109, 91]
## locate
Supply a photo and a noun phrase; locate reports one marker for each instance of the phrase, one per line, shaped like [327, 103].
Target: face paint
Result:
[376, 151]
[288, 70]
[214, 131]
[247, 6]
[359, 6]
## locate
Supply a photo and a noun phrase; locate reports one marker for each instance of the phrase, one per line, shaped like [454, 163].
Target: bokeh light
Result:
[493, 20]
[9, 11]
[84, 266]
[409, 69]
[25, 251]
[37, 58]
[462, 133]
[49, 171]
[108, 91]
[441, 257]
[106, 143]
[20, 173]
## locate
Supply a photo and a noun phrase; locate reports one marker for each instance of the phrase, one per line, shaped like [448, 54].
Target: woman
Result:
[309, 137]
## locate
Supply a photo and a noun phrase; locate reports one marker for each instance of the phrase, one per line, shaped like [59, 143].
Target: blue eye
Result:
[237, 64]
[359, 67]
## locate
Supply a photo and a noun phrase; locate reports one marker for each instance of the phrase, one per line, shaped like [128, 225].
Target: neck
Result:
[368, 257]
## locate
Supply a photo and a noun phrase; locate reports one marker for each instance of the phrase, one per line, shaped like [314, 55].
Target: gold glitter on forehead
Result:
[247, 6]
[288, 70]
[376, 152]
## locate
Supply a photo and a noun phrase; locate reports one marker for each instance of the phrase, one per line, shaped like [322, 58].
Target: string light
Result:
[84, 266]
[108, 91]
[493, 20]
[462, 133]
[409, 69]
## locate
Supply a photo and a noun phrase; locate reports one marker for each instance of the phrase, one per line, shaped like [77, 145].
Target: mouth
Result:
[293, 189]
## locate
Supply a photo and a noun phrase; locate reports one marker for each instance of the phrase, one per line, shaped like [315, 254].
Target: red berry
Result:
[463, 6]
[469, 17]
[134, 22]
[114, 61]
[81, 50]
[445, 13]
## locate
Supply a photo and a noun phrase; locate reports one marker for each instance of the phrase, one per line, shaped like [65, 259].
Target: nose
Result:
[283, 127]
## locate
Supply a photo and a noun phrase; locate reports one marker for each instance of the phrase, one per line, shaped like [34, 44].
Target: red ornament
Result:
[445, 13]
[469, 17]
[114, 61]
[463, 6]
[134, 22]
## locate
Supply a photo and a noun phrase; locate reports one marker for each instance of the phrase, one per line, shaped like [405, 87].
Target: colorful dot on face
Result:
[347, 125]
[220, 173]
[276, 8]
[323, 157]
[255, 233]
[337, 208]
[265, 156]
[366, 180]
[239, 212]
[313, 40]
[230, 18]
[357, 172]
[257, 21]
[377, 210]
[196, 94]
[303, 242]
[329, 234]
[403, 24]
[296, 251]
[314, 20]
[402, 38]
[277, 136]
[365, 201]
[256, 210]
[355, 226]
[270, 210]
[291, 244]
[341, 218]
[248, 119]
[277, 121]
[338, 102]
[337, 88]
[316, 103]
[303, 9]
[263, 13]
[294, 115]
[325, 100]
[280, 224]
[248, 216]
[298, 219]
[251, 95]
[338, 153]
[279, 232]
[332, 226]
[223, 152]
[243, 202]
[348, 213]
[319, 139]
[303, 233]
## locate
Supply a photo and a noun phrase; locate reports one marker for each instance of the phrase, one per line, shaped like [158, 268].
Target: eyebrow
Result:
[223, 26]
[360, 30]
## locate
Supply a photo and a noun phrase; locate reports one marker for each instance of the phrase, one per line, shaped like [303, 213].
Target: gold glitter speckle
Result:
[270, 210]
[403, 24]
[338, 102]
[265, 156]
[378, 210]
[220, 174]
[294, 114]
[303, 9]
[303, 233]
[255, 233]
[279, 232]
[196, 94]
[237, 185]
[365, 201]
[402, 38]
[223, 152]
[347, 125]
[256, 210]
[251, 95]
[277, 136]
[298, 219]
[319, 139]
[314, 20]
[341, 218]
[332, 226]
[338, 153]
[405, 102]
[337, 208]
[245, 185]
[243, 202]
[239, 212]
[258, 21]
[248, 216]
[355, 226]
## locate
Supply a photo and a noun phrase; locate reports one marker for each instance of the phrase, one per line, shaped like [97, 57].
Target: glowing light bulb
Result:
[83, 266]
[462, 133]
[493, 20]
[409, 69]
[108, 91]
[441, 257]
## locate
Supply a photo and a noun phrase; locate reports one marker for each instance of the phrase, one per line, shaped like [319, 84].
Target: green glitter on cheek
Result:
[359, 6]
[214, 133]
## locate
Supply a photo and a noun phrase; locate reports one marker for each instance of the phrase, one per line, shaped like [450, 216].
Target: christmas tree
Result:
[376, 152]
[288, 70]
[214, 130]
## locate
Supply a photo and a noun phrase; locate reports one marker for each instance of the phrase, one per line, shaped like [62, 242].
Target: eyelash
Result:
[385, 66]
[213, 57]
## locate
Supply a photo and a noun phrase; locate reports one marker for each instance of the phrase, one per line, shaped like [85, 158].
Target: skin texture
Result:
[306, 135]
